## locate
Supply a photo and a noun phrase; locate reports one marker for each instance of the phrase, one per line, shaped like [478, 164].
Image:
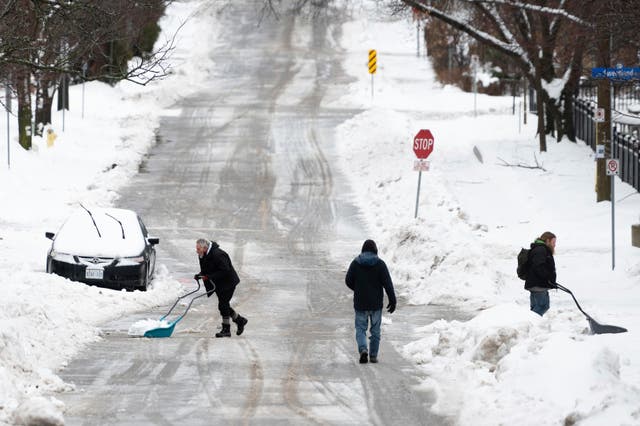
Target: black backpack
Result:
[523, 263]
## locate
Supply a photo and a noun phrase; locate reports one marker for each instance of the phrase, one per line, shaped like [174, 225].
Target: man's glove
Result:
[391, 307]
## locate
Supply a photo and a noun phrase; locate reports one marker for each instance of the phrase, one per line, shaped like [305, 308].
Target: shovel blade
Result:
[160, 332]
[597, 328]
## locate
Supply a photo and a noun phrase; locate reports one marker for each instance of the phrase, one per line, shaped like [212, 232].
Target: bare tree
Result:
[531, 34]
[547, 39]
[44, 40]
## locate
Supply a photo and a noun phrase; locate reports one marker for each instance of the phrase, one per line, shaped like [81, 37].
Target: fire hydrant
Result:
[51, 137]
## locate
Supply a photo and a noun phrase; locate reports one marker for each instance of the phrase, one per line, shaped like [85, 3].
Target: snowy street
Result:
[273, 140]
[248, 161]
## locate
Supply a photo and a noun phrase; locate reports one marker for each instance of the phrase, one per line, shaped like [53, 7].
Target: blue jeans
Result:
[539, 302]
[362, 321]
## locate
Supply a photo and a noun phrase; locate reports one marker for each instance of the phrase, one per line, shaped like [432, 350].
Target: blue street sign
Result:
[623, 73]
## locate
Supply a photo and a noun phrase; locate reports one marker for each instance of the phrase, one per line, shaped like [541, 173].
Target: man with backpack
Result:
[541, 272]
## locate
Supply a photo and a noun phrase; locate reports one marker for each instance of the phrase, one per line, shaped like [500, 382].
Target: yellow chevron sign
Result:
[372, 61]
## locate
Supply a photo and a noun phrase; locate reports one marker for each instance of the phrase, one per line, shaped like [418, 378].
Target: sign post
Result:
[475, 64]
[84, 78]
[373, 66]
[618, 73]
[613, 169]
[7, 105]
[423, 143]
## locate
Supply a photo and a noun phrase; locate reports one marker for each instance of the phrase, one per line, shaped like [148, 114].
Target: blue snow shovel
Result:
[166, 331]
[595, 327]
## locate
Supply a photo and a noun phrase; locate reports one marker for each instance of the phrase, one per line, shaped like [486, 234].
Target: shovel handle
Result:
[189, 306]
[566, 290]
[180, 298]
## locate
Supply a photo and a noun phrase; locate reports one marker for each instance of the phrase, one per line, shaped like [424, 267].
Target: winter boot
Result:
[364, 357]
[240, 322]
[225, 332]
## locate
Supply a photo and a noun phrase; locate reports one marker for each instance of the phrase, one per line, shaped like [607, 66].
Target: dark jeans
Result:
[539, 302]
[224, 297]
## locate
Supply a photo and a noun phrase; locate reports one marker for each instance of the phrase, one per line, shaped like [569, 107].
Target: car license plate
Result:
[94, 274]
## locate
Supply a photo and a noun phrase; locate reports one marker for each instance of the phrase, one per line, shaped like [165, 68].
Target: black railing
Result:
[583, 112]
[625, 146]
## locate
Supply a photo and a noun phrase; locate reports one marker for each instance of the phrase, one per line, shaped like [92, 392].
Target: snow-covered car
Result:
[106, 247]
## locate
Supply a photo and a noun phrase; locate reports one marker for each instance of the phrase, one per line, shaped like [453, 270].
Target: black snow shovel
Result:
[596, 328]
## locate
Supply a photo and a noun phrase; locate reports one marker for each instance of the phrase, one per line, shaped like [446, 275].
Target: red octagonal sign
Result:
[423, 144]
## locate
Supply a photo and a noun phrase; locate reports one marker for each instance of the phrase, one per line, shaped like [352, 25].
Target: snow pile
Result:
[37, 338]
[138, 328]
[40, 411]
[547, 365]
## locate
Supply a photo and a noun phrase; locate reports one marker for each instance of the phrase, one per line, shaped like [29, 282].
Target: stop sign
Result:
[423, 143]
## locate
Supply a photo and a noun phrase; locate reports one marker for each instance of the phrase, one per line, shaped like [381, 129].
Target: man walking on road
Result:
[216, 268]
[367, 277]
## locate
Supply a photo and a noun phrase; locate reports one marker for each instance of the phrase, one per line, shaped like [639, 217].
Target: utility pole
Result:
[524, 103]
[603, 130]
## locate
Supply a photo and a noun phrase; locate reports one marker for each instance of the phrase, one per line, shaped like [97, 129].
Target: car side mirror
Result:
[49, 235]
[153, 241]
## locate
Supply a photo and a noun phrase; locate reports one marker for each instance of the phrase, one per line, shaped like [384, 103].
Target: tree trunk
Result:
[44, 102]
[553, 118]
[567, 116]
[603, 130]
[603, 137]
[570, 91]
[540, 102]
[23, 89]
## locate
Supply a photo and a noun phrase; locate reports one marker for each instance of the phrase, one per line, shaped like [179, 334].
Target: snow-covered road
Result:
[249, 161]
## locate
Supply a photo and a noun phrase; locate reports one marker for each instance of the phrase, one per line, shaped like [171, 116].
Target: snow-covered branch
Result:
[559, 11]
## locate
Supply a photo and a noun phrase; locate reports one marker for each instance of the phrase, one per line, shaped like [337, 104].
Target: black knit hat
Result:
[370, 246]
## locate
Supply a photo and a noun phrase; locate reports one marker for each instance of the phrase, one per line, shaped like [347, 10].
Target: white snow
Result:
[140, 327]
[505, 366]
[555, 86]
[79, 235]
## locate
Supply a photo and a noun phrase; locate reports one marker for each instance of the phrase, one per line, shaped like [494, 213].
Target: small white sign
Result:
[613, 166]
[598, 117]
[599, 151]
[421, 166]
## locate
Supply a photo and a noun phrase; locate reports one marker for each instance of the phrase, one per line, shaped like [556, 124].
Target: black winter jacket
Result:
[367, 276]
[541, 268]
[216, 265]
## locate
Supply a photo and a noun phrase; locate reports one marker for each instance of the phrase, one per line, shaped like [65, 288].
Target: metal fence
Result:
[626, 144]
